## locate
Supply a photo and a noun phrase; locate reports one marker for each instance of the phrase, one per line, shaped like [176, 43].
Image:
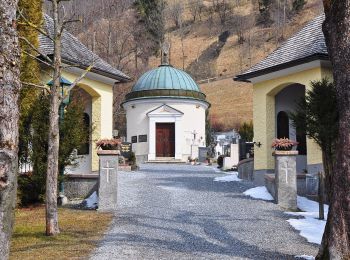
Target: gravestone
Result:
[126, 149]
[232, 161]
[202, 154]
[108, 184]
[194, 151]
[286, 179]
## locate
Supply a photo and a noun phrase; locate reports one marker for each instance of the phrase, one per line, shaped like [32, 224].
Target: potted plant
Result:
[108, 144]
[283, 144]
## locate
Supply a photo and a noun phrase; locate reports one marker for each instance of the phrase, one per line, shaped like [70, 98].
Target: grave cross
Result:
[286, 168]
[107, 168]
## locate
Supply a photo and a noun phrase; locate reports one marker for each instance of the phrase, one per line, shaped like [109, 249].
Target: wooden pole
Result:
[321, 195]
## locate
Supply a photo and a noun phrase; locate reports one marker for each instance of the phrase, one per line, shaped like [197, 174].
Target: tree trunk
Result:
[336, 239]
[321, 195]
[9, 117]
[53, 139]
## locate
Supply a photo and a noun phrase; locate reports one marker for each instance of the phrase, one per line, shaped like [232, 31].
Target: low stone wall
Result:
[80, 186]
[270, 184]
[301, 184]
[246, 169]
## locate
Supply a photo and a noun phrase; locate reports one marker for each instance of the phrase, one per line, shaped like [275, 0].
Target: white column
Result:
[152, 139]
[178, 138]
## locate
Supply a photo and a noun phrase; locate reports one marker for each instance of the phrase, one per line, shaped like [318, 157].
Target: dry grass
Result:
[80, 232]
[231, 102]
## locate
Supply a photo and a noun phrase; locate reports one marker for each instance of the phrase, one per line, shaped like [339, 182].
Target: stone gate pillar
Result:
[286, 179]
[108, 184]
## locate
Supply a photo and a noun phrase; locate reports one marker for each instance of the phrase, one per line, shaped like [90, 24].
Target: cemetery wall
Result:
[80, 186]
[246, 169]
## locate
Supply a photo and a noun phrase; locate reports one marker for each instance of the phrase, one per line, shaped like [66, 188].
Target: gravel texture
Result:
[179, 212]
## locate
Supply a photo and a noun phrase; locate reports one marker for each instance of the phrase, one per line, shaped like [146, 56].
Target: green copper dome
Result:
[165, 81]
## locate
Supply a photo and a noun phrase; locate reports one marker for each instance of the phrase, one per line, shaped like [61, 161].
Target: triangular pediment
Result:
[165, 110]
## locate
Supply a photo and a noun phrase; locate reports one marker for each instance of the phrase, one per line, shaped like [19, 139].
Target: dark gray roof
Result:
[74, 52]
[307, 45]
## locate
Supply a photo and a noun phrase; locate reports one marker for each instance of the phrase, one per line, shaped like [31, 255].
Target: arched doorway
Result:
[286, 101]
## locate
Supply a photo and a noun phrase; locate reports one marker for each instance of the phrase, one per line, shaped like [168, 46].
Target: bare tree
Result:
[196, 8]
[223, 8]
[175, 12]
[9, 119]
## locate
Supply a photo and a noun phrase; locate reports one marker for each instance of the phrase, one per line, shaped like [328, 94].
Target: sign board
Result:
[142, 138]
[246, 150]
[134, 139]
[126, 149]
[202, 154]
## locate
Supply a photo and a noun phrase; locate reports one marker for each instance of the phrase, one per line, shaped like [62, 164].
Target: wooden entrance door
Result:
[165, 139]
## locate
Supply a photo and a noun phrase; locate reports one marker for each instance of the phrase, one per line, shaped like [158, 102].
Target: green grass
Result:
[80, 232]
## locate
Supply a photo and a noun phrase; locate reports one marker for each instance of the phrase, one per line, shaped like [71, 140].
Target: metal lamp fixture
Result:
[64, 83]
[258, 144]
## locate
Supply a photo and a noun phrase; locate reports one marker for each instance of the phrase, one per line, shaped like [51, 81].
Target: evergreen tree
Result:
[152, 16]
[30, 70]
[246, 131]
[317, 116]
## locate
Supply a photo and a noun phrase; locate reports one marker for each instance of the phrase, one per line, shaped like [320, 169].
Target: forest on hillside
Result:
[210, 39]
[129, 33]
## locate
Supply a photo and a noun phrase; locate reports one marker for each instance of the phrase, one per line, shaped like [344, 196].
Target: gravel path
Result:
[179, 212]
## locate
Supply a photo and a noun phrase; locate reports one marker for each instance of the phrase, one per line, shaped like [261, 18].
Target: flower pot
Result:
[289, 148]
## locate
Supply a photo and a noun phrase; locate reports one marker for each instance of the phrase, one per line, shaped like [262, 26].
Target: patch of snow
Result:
[310, 226]
[259, 193]
[310, 206]
[306, 257]
[231, 176]
[92, 201]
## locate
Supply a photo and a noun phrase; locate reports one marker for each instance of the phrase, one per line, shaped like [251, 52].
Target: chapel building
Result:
[166, 113]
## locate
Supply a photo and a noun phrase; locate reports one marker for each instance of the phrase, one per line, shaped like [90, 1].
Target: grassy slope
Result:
[80, 231]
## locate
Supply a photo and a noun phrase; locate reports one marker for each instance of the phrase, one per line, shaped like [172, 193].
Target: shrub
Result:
[246, 131]
[73, 133]
[220, 161]
[132, 159]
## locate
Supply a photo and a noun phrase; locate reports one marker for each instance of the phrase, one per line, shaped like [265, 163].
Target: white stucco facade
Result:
[188, 115]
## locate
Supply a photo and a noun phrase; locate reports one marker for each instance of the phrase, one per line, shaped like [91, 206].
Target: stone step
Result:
[166, 160]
